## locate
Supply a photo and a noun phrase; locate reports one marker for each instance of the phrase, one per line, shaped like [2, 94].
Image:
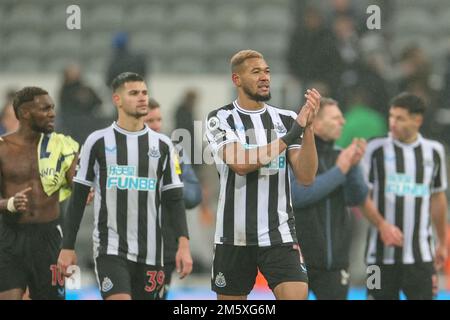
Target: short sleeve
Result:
[171, 170]
[85, 173]
[298, 142]
[439, 182]
[218, 131]
[368, 165]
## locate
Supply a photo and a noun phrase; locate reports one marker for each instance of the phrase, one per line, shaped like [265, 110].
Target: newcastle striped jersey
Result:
[254, 209]
[402, 178]
[128, 170]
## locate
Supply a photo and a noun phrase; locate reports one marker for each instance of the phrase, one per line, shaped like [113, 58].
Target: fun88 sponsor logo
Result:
[404, 185]
[277, 163]
[124, 178]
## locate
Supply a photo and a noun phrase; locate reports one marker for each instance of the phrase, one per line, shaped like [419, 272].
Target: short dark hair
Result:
[410, 102]
[125, 77]
[153, 104]
[24, 95]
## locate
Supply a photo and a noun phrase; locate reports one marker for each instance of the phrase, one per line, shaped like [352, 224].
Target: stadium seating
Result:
[212, 29]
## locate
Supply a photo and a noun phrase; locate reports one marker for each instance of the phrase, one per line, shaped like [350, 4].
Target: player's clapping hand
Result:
[310, 108]
[360, 148]
[345, 159]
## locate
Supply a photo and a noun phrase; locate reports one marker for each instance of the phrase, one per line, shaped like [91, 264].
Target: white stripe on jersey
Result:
[409, 217]
[389, 203]
[151, 222]
[424, 232]
[263, 187]
[240, 191]
[97, 203]
[132, 202]
[111, 196]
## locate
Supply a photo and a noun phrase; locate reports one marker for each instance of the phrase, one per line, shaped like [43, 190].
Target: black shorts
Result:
[118, 275]
[235, 268]
[329, 284]
[28, 258]
[169, 268]
[415, 280]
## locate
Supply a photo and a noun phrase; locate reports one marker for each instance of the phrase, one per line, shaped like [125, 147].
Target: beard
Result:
[41, 129]
[136, 113]
[255, 96]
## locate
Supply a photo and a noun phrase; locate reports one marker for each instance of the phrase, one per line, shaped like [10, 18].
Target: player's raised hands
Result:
[310, 109]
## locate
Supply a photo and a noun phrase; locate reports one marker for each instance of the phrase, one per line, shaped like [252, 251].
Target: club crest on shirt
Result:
[279, 128]
[154, 152]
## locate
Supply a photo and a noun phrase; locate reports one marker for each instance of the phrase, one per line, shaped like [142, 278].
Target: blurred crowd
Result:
[331, 48]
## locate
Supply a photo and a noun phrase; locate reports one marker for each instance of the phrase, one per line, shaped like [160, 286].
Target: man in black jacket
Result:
[323, 221]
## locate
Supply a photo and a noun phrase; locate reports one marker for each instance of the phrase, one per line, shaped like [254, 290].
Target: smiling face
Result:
[403, 125]
[131, 99]
[253, 79]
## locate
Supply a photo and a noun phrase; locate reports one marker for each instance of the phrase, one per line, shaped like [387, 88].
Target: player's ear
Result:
[236, 79]
[24, 112]
[418, 119]
[116, 99]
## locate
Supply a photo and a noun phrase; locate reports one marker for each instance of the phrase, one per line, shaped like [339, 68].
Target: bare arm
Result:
[243, 161]
[303, 161]
[390, 234]
[371, 213]
[3, 202]
[439, 217]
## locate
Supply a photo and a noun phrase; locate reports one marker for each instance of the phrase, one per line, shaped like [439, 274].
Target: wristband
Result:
[10, 205]
[293, 134]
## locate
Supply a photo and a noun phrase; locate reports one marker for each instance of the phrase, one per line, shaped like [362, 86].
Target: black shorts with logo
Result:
[415, 280]
[235, 267]
[118, 275]
[329, 284]
[28, 258]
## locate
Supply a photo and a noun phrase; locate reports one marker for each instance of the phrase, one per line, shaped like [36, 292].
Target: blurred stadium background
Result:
[186, 45]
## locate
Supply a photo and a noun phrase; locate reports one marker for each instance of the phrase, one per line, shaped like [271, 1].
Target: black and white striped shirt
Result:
[402, 178]
[128, 170]
[254, 209]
